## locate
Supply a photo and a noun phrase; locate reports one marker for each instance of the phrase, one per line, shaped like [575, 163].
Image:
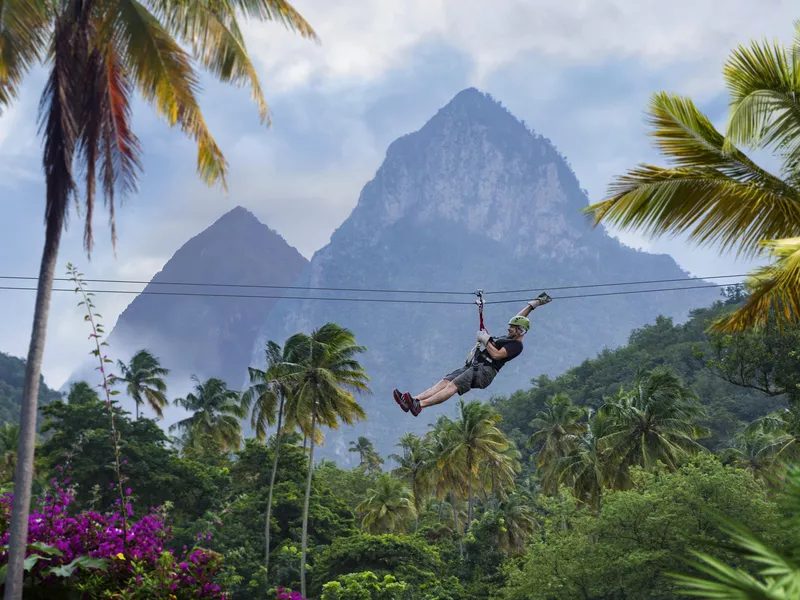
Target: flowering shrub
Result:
[284, 594]
[91, 553]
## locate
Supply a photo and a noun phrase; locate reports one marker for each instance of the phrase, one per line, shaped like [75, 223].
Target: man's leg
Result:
[447, 391]
[432, 391]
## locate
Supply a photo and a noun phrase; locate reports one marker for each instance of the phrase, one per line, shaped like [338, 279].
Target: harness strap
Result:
[479, 302]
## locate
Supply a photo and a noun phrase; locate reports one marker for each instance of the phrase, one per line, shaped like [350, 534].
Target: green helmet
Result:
[520, 321]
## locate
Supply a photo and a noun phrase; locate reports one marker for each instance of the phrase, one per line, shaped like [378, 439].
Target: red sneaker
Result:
[400, 399]
[413, 404]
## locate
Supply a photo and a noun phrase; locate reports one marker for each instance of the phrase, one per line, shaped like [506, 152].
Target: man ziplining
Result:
[484, 366]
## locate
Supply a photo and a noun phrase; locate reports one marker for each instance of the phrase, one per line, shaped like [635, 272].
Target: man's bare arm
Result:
[496, 354]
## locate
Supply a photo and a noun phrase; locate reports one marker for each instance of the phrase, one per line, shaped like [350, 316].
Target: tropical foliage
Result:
[715, 193]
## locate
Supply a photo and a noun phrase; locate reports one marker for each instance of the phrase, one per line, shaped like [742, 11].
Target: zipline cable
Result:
[382, 291]
[377, 300]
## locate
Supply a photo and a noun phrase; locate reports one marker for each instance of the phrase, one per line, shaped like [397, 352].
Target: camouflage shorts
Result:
[463, 378]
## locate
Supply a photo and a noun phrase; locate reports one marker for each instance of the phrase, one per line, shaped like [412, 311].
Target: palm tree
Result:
[499, 473]
[587, 467]
[447, 469]
[99, 54]
[476, 440]
[412, 468]
[144, 377]
[369, 460]
[778, 438]
[558, 428]
[715, 192]
[267, 392]
[363, 446]
[519, 521]
[388, 506]
[216, 411]
[323, 372]
[654, 421]
[752, 448]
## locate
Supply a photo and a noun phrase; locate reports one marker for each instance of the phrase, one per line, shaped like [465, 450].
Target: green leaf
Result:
[31, 561]
[86, 562]
[45, 549]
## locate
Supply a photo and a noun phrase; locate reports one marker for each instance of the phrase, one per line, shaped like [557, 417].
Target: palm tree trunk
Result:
[137, 411]
[455, 521]
[305, 506]
[271, 485]
[23, 475]
[441, 507]
[469, 490]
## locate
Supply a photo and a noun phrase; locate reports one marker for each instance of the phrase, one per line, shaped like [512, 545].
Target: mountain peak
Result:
[238, 215]
[475, 106]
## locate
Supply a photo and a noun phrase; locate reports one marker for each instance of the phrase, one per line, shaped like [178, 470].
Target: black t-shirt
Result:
[513, 348]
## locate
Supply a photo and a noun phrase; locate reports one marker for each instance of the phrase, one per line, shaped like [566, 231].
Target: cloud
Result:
[363, 41]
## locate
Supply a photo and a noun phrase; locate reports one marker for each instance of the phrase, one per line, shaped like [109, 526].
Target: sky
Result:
[579, 72]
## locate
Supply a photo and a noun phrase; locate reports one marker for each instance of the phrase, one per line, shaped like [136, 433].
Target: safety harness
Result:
[473, 357]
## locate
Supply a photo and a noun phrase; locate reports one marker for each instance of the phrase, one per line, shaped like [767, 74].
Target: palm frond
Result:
[58, 122]
[121, 149]
[715, 196]
[774, 290]
[763, 81]
[212, 30]
[277, 10]
[23, 40]
[164, 75]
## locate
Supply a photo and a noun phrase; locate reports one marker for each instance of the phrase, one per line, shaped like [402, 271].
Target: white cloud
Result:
[361, 41]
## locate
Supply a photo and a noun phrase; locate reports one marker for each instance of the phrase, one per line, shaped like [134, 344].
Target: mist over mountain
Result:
[211, 334]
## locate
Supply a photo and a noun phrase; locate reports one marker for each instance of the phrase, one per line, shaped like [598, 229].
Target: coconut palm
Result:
[413, 467]
[264, 398]
[498, 473]
[143, 379]
[587, 468]
[99, 54]
[717, 194]
[216, 411]
[323, 372]
[368, 458]
[388, 507]
[477, 438]
[653, 422]
[446, 468]
[558, 428]
[519, 522]
[778, 437]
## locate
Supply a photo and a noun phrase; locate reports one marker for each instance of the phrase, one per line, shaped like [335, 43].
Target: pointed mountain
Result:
[210, 336]
[473, 199]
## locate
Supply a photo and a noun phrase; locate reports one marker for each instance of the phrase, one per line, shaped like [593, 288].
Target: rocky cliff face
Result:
[210, 336]
[471, 200]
